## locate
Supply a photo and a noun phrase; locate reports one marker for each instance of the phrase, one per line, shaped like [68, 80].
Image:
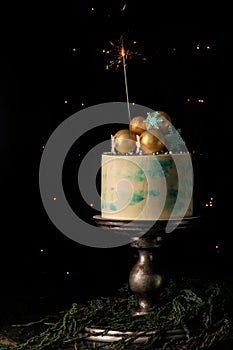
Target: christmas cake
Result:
[148, 173]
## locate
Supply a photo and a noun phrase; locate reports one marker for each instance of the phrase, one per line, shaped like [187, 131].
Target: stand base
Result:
[99, 337]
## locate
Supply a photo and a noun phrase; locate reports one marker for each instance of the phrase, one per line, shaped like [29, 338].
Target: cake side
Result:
[146, 187]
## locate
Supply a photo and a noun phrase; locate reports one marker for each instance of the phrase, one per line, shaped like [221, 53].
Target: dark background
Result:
[36, 80]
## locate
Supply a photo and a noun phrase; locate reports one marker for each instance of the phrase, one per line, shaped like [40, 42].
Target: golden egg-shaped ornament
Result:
[137, 125]
[164, 115]
[125, 131]
[163, 125]
[151, 141]
[124, 141]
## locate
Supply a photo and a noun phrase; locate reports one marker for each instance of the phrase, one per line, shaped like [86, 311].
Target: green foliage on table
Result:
[203, 310]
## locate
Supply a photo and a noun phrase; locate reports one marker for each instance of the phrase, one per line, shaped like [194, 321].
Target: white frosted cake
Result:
[145, 184]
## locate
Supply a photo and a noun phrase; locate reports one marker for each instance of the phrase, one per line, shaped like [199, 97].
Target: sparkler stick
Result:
[125, 76]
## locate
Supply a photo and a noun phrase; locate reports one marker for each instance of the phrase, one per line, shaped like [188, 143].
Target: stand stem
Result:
[145, 280]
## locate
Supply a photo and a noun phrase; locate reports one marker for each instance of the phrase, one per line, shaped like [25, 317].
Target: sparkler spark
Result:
[118, 55]
[116, 51]
[124, 7]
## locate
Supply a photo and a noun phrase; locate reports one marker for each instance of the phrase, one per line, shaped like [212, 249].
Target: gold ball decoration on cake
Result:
[163, 126]
[125, 141]
[164, 115]
[137, 125]
[151, 141]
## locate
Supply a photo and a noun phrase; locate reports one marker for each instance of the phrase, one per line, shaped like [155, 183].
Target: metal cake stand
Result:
[145, 278]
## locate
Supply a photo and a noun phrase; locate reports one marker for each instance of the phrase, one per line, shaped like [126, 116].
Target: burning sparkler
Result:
[118, 55]
[114, 53]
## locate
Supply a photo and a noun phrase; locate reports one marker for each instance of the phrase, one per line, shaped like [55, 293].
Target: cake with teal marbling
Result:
[146, 187]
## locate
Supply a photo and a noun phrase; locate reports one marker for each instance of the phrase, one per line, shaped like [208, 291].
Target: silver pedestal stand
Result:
[145, 279]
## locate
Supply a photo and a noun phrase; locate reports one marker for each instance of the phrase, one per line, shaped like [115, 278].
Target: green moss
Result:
[202, 310]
